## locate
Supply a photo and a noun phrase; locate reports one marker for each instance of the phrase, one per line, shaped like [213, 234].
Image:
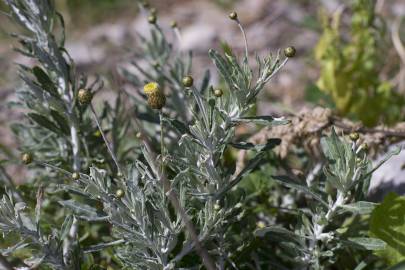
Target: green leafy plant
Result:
[387, 223]
[149, 182]
[351, 67]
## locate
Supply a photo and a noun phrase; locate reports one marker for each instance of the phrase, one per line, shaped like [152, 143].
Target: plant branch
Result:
[105, 139]
[171, 194]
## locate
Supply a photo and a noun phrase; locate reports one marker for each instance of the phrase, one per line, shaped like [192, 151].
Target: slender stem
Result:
[53, 167]
[11, 184]
[162, 144]
[172, 196]
[179, 38]
[75, 147]
[67, 243]
[277, 69]
[245, 40]
[105, 139]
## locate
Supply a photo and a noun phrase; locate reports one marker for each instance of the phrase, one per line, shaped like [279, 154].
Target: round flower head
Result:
[218, 92]
[233, 16]
[187, 81]
[75, 176]
[156, 100]
[152, 18]
[290, 52]
[173, 24]
[354, 136]
[120, 193]
[84, 96]
[150, 88]
[26, 158]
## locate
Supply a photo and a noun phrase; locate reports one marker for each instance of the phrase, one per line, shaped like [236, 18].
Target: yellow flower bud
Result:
[151, 87]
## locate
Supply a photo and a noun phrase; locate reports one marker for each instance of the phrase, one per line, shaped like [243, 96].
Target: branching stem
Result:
[172, 196]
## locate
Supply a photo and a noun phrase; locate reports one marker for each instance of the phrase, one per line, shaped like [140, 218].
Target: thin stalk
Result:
[75, 147]
[67, 243]
[162, 144]
[179, 38]
[245, 40]
[105, 139]
[11, 184]
[53, 167]
[172, 196]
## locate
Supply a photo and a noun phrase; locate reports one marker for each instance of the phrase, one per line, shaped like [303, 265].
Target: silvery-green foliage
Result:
[334, 197]
[14, 217]
[58, 130]
[197, 127]
[157, 60]
[143, 226]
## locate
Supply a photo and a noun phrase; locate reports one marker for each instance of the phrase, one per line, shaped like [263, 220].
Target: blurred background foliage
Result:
[351, 64]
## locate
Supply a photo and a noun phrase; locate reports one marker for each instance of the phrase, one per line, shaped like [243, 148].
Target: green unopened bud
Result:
[290, 51]
[218, 92]
[260, 224]
[156, 100]
[119, 193]
[364, 146]
[188, 81]
[173, 24]
[233, 16]
[152, 18]
[75, 176]
[354, 136]
[217, 206]
[145, 4]
[119, 174]
[26, 158]
[84, 96]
